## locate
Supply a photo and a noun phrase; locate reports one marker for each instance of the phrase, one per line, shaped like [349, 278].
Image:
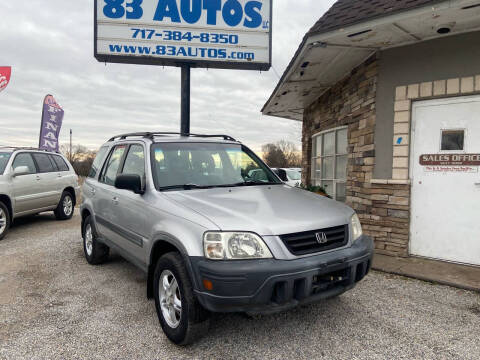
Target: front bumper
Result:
[268, 286]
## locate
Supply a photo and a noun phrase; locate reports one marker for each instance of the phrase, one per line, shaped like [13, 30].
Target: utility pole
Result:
[70, 145]
[185, 100]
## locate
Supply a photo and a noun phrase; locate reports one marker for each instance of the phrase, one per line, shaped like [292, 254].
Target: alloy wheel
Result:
[88, 240]
[3, 221]
[67, 205]
[170, 299]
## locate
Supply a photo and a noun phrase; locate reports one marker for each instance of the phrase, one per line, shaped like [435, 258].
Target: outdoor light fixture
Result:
[443, 29]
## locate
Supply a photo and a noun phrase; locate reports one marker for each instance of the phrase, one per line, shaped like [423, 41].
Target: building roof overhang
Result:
[323, 59]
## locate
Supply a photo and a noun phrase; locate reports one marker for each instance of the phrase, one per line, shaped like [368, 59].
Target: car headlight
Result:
[234, 246]
[356, 227]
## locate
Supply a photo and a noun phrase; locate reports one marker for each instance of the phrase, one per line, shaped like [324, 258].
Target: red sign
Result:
[450, 160]
[5, 73]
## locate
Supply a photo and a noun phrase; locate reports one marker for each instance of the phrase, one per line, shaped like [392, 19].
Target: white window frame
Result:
[335, 156]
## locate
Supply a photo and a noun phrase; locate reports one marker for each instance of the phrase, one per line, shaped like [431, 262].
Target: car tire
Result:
[4, 220]
[96, 253]
[191, 321]
[66, 207]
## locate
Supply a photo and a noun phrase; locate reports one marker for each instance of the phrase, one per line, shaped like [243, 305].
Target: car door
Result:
[49, 188]
[63, 178]
[91, 186]
[104, 194]
[26, 188]
[129, 208]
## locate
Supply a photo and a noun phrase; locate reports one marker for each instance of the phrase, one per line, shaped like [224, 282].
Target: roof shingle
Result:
[348, 12]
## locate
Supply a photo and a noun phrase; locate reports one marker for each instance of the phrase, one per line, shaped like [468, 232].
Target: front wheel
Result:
[182, 318]
[66, 207]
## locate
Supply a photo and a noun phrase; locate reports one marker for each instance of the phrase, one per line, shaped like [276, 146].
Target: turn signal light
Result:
[207, 284]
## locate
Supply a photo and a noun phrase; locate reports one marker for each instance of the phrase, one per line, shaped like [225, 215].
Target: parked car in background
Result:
[216, 230]
[33, 181]
[290, 176]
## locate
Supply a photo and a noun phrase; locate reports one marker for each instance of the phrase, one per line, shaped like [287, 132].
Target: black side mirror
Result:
[283, 175]
[131, 182]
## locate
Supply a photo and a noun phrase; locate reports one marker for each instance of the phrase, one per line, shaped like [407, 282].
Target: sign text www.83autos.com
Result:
[206, 33]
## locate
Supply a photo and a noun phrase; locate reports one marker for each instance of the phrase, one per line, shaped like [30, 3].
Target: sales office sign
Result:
[234, 34]
[466, 163]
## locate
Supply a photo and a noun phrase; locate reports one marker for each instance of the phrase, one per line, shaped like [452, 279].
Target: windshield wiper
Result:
[195, 186]
[251, 183]
[184, 187]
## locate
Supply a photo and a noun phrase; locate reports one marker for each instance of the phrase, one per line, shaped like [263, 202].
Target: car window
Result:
[294, 175]
[109, 172]
[4, 157]
[207, 164]
[97, 163]
[135, 161]
[43, 162]
[61, 164]
[24, 159]
[55, 167]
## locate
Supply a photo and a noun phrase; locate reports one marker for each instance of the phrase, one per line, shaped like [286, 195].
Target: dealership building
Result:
[389, 95]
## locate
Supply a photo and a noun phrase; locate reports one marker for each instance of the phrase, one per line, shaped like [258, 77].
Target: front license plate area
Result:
[326, 281]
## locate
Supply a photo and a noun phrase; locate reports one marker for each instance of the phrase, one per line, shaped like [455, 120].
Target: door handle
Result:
[115, 200]
[38, 177]
[477, 183]
[59, 175]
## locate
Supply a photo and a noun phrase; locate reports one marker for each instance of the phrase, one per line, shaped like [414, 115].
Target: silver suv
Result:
[212, 238]
[34, 181]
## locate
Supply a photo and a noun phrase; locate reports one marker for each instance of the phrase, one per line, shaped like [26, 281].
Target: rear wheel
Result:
[4, 220]
[66, 207]
[95, 252]
[182, 318]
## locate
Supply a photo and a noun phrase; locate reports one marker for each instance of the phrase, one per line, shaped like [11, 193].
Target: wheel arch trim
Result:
[176, 244]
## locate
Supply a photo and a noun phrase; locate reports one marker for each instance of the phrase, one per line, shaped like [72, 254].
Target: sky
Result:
[49, 44]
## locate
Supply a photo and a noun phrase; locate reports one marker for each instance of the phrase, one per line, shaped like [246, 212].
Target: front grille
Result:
[308, 243]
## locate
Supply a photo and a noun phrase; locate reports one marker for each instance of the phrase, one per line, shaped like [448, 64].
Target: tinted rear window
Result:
[61, 165]
[4, 157]
[43, 162]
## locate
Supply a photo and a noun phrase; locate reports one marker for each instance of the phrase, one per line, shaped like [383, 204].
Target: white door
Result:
[445, 207]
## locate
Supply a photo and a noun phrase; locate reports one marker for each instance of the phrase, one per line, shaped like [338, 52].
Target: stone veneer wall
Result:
[382, 205]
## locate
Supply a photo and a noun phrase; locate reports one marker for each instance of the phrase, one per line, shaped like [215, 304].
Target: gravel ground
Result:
[53, 305]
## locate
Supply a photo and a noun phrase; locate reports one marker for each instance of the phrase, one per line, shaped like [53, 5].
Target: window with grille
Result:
[329, 162]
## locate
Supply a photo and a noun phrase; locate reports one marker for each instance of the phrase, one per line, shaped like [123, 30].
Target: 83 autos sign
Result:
[204, 33]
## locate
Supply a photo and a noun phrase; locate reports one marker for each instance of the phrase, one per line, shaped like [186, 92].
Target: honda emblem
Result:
[321, 238]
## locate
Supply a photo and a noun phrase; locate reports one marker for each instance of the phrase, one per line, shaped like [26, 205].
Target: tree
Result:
[282, 154]
[81, 158]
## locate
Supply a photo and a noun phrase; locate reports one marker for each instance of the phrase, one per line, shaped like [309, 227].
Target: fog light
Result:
[207, 284]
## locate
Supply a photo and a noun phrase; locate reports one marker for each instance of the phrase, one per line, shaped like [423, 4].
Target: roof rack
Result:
[151, 135]
[22, 148]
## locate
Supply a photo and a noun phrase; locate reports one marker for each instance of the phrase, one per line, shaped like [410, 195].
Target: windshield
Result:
[203, 165]
[294, 175]
[4, 157]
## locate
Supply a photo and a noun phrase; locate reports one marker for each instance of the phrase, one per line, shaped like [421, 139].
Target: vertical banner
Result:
[5, 73]
[52, 118]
